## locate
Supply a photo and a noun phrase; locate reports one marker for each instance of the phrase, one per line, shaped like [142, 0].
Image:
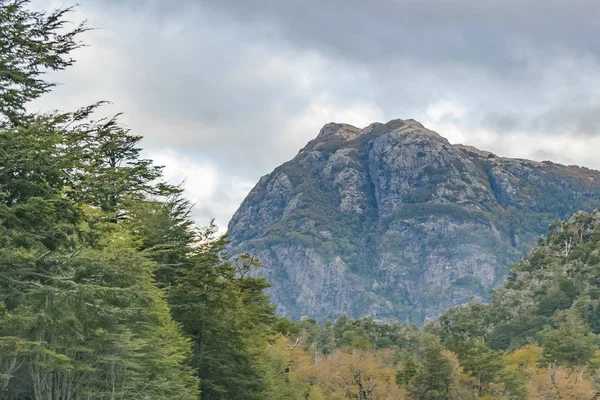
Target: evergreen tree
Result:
[80, 314]
[31, 43]
[228, 317]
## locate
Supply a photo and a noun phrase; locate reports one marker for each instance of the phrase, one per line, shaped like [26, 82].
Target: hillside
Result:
[393, 221]
[554, 287]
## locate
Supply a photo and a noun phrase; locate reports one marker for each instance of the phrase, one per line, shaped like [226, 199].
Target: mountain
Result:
[393, 221]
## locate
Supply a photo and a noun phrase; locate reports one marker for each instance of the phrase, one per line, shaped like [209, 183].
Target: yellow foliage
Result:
[558, 383]
[462, 383]
[340, 375]
[360, 374]
[548, 383]
[526, 357]
[595, 361]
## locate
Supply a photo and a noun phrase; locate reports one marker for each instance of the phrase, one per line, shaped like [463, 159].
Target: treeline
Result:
[109, 291]
[537, 339]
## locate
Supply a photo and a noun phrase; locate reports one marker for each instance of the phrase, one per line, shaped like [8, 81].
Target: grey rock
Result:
[393, 221]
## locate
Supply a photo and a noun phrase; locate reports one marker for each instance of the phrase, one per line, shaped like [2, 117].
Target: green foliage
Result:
[515, 333]
[430, 379]
[164, 231]
[31, 43]
[80, 313]
[92, 317]
[550, 299]
[569, 342]
[224, 311]
[111, 171]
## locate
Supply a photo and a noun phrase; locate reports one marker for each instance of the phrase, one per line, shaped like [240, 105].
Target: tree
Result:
[570, 343]
[80, 314]
[547, 383]
[434, 379]
[97, 326]
[112, 171]
[31, 43]
[228, 319]
[165, 231]
[360, 374]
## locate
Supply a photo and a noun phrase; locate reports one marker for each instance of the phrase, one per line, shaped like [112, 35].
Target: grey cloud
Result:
[573, 119]
[501, 122]
[243, 84]
[583, 119]
[462, 31]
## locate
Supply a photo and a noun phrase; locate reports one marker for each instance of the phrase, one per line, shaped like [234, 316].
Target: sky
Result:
[224, 91]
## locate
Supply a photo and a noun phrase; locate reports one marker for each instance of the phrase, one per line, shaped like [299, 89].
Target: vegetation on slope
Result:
[537, 339]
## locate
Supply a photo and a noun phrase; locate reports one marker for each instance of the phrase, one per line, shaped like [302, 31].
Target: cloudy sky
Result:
[224, 91]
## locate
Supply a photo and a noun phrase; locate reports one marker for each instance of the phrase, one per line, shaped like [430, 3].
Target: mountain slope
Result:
[394, 221]
[556, 286]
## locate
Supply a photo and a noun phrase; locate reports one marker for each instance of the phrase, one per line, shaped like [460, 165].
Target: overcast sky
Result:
[224, 91]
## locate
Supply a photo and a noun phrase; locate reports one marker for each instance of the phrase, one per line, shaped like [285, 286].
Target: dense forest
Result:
[108, 290]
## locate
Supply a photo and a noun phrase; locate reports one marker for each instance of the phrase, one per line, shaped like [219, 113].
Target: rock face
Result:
[392, 221]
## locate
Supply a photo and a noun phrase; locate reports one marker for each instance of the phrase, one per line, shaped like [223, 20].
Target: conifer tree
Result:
[80, 314]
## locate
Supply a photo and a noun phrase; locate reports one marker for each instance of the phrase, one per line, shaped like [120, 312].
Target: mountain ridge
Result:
[393, 221]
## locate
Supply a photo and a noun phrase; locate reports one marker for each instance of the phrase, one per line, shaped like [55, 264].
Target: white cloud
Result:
[215, 195]
[200, 179]
[440, 117]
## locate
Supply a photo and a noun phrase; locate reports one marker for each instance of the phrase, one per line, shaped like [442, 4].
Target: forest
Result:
[108, 289]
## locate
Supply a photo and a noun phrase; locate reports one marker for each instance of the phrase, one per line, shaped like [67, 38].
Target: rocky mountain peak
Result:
[394, 221]
[349, 132]
[344, 131]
